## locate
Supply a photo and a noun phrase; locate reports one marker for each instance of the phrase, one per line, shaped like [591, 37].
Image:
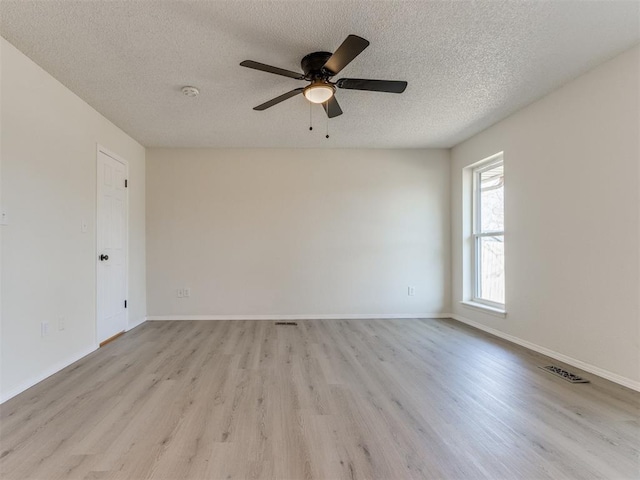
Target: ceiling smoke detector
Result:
[190, 91]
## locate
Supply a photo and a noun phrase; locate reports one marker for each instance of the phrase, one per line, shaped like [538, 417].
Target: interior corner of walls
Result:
[136, 323]
[448, 152]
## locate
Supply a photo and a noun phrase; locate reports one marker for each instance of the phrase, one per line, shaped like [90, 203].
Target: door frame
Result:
[118, 158]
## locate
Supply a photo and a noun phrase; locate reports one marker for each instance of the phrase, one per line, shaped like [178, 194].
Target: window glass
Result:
[488, 234]
[492, 199]
[491, 281]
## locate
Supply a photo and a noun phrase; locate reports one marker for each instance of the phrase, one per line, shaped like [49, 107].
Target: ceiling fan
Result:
[318, 68]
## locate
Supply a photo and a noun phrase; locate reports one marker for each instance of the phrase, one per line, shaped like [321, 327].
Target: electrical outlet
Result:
[180, 292]
[411, 291]
[44, 329]
[61, 325]
[187, 292]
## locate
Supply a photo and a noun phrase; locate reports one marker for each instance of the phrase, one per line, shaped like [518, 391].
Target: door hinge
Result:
[125, 304]
[126, 183]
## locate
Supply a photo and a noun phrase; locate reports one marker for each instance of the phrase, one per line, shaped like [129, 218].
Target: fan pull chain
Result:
[327, 136]
[310, 118]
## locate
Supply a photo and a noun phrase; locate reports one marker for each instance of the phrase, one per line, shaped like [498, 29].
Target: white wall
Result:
[48, 150]
[572, 221]
[297, 232]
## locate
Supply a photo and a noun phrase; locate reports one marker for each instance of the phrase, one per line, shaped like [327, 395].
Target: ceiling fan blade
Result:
[279, 99]
[332, 107]
[350, 49]
[390, 86]
[269, 69]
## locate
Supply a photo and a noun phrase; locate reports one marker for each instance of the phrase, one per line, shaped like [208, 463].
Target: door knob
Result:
[103, 257]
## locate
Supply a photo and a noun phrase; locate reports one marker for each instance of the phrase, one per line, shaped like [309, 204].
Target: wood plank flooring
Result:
[349, 399]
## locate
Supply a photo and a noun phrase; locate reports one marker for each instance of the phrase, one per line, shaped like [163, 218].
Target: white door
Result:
[112, 247]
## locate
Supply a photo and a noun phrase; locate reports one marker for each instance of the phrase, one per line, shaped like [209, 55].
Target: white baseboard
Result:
[624, 381]
[385, 316]
[587, 367]
[136, 324]
[4, 396]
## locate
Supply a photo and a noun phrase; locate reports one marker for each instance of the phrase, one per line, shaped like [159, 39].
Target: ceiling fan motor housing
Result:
[312, 66]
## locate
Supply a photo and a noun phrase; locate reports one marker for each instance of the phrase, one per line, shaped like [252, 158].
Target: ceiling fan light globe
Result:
[318, 93]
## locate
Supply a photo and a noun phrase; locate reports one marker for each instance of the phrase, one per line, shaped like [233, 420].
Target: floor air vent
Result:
[568, 376]
[287, 323]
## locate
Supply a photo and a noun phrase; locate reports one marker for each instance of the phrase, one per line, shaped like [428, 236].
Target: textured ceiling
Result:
[468, 64]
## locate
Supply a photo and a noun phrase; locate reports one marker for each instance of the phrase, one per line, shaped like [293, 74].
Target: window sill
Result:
[496, 312]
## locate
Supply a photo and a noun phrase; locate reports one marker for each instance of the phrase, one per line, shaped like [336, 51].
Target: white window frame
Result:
[477, 234]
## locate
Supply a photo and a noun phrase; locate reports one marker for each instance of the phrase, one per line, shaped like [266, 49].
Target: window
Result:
[488, 233]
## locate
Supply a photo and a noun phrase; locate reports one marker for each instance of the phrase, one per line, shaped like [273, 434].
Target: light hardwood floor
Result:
[352, 399]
